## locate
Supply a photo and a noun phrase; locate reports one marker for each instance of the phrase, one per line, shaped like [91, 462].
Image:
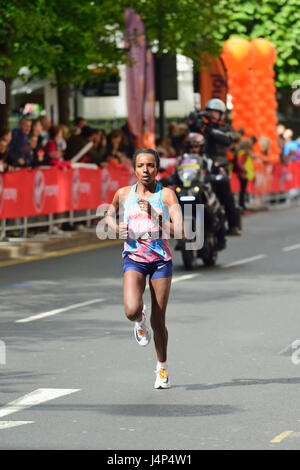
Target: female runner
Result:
[151, 216]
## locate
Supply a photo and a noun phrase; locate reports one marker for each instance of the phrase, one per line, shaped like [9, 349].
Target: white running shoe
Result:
[162, 379]
[142, 333]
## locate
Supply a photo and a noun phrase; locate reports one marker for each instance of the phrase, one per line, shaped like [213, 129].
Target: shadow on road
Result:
[240, 382]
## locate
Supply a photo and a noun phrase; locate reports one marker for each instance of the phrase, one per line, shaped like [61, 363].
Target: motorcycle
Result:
[193, 188]
[217, 172]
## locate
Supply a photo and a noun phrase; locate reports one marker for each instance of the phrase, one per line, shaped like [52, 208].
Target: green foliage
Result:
[62, 38]
[182, 26]
[22, 33]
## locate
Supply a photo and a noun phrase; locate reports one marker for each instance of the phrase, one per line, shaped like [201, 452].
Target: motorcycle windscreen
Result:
[188, 171]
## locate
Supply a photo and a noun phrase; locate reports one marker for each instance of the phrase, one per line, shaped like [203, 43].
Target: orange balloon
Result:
[263, 54]
[236, 55]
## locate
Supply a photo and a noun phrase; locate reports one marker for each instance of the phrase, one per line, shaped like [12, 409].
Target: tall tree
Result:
[83, 33]
[22, 33]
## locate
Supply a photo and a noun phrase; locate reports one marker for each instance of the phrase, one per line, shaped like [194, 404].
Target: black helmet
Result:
[216, 105]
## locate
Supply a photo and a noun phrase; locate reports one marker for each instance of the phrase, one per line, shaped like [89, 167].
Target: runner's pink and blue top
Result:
[145, 246]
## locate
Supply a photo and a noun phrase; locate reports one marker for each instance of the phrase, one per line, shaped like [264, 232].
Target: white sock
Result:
[162, 365]
[142, 316]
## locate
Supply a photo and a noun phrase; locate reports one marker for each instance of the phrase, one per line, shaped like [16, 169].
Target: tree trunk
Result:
[63, 104]
[4, 103]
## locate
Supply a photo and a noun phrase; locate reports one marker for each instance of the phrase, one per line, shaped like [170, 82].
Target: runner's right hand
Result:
[123, 230]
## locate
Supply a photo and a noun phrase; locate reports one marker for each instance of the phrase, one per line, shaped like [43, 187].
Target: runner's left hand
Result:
[145, 206]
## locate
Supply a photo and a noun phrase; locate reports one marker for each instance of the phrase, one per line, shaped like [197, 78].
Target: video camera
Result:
[198, 120]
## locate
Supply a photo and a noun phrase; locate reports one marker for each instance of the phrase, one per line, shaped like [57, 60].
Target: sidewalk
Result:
[20, 248]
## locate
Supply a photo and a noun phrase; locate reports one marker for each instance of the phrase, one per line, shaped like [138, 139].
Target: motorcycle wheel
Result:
[189, 258]
[210, 255]
[211, 259]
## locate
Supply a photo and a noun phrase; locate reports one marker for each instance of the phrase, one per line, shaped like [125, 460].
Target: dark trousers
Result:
[225, 196]
[243, 192]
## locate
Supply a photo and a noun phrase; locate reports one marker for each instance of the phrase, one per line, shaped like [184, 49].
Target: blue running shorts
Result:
[155, 269]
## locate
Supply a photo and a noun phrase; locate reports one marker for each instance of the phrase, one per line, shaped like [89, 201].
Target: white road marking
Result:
[292, 247]
[243, 261]
[281, 436]
[184, 277]
[13, 424]
[41, 395]
[58, 310]
[181, 278]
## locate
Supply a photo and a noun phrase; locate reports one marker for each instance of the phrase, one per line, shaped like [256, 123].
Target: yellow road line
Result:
[68, 251]
[281, 436]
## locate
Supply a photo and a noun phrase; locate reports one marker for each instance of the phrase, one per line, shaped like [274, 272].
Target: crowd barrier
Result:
[48, 191]
[272, 182]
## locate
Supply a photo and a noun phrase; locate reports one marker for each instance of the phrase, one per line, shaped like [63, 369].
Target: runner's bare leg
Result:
[160, 289]
[134, 284]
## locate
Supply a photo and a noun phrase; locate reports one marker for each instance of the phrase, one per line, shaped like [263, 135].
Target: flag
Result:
[212, 81]
[140, 85]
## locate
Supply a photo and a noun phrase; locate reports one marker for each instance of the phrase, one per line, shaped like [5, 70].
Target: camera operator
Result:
[218, 138]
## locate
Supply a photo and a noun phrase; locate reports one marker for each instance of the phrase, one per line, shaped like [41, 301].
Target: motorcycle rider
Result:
[194, 144]
[193, 148]
[218, 138]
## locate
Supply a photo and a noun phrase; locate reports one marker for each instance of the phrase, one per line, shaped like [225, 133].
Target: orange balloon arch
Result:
[251, 84]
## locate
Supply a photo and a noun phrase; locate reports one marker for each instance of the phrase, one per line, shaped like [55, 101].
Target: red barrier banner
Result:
[113, 177]
[26, 193]
[271, 179]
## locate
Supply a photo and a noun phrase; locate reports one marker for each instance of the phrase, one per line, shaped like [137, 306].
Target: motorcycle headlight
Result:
[178, 189]
[196, 189]
[187, 198]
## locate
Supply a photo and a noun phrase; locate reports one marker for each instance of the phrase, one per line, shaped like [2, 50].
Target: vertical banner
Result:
[135, 42]
[148, 140]
[212, 80]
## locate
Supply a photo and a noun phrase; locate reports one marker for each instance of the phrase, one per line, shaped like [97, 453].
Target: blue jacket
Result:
[19, 148]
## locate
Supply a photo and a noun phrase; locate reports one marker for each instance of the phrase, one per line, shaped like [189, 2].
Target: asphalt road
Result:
[76, 379]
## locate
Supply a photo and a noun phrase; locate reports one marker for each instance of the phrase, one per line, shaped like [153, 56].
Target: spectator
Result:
[280, 131]
[37, 130]
[233, 150]
[3, 156]
[102, 147]
[97, 152]
[116, 148]
[244, 168]
[46, 123]
[76, 142]
[298, 152]
[19, 149]
[62, 144]
[79, 123]
[290, 144]
[165, 148]
[6, 136]
[131, 148]
[183, 132]
[173, 134]
[52, 149]
[5, 164]
[38, 154]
